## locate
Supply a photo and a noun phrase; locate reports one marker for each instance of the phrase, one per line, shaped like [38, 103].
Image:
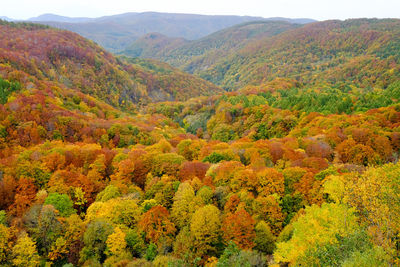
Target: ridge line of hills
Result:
[116, 32]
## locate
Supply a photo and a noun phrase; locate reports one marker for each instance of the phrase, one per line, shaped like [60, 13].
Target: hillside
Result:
[284, 171]
[207, 51]
[117, 32]
[72, 61]
[361, 52]
[154, 45]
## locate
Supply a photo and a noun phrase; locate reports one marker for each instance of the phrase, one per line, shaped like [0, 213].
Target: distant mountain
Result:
[117, 32]
[6, 18]
[57, 18]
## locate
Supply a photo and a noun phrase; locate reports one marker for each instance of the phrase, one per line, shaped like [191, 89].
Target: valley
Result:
[259, 142]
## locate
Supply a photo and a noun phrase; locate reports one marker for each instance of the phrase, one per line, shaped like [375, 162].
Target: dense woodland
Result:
[339, 54]
[202, 53]
[117, 161]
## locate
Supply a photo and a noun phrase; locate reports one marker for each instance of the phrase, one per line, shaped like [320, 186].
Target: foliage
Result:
[96, 235]
[61, 202]
[156, 226]
[216, 157]
[57, 51]
[317, 227]
[233, 256]
[7, 88]
[239, 228]
[24, 252]
[347, 251]
[264, 240]
[314, 55]
[300, 167]
[205, 227]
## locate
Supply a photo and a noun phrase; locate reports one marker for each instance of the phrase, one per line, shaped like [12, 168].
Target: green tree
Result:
[62, 203]
[48, 228]
[151, 252]
[111, 191]
[6, 89]
[349, 250]
[265, 240]
[134, 243]
[95, 238]
[235, 257]
[3, 217]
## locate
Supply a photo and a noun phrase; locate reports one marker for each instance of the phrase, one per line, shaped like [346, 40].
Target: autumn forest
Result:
[267, 143]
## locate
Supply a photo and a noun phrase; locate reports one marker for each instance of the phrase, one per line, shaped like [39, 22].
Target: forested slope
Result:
[68, 59]
[200, 54]
[273, 174]
[360, 52]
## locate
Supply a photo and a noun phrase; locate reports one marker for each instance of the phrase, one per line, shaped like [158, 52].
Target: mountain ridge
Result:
[116, 32]
[58, 18]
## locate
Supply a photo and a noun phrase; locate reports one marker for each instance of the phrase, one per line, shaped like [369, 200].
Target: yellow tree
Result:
[190, 149]
[205, 227]
[184, 205]
[270, 181]
[243, 179]
[268, 209]
[375, 194]
[317, 227]
[117, 210]
[24, 252]
[116, 243]
[116, 247]
[4, 237]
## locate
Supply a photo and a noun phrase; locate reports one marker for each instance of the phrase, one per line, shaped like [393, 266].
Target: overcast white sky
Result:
[316, 9]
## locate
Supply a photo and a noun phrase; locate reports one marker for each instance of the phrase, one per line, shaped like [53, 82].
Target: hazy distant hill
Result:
[54, 17]
[117, 32]
[6, 18]
[205, 52]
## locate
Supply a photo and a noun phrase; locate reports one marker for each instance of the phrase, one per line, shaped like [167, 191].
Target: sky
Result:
[316, 9]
